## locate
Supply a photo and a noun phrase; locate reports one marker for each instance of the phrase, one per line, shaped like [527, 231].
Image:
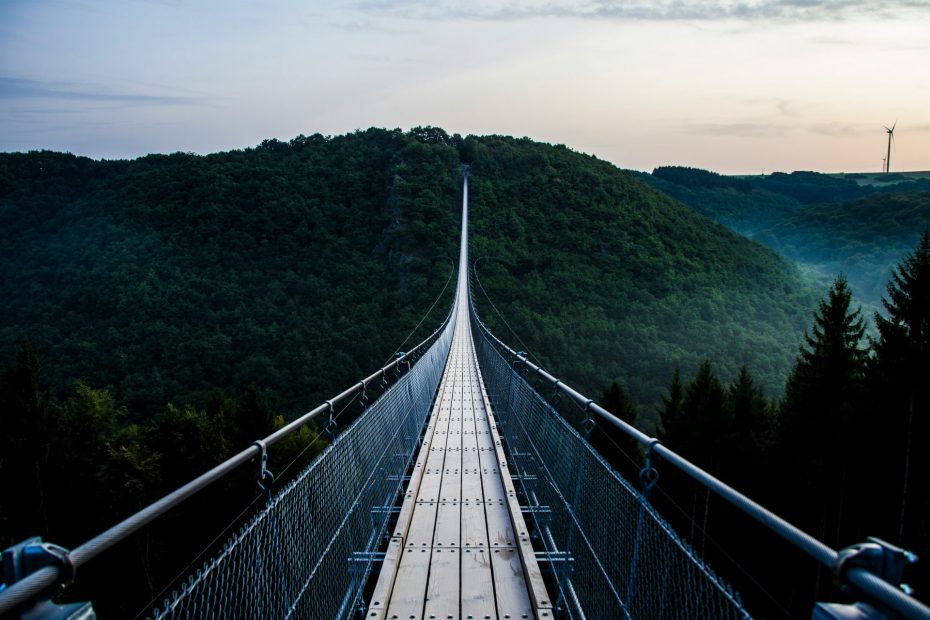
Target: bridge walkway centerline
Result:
[460, 548]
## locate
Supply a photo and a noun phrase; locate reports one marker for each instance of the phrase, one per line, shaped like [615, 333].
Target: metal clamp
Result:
[649, 475]
[31, 555]
[880, 558]
[588, 424]
[556, 393]
[363, 398]
[264, 479]
[400, 358]
[330, 428]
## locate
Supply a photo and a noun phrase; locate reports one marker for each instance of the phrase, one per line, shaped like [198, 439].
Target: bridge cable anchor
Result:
[264, 479]
[649, 475]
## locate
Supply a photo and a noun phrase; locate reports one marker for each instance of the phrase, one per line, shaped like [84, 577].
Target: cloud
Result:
[747, 10]
[763, 129]
[841, 129]
[739, 130]
[22, 88]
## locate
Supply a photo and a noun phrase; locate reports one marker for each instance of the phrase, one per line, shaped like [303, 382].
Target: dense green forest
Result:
[176, 308]
[854, 224]
[297, 267]
[300, 266]
[840, 455]
[163, 312]
[602, 277]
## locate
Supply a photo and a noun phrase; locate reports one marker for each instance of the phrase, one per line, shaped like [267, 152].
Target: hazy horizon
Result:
[739, 87]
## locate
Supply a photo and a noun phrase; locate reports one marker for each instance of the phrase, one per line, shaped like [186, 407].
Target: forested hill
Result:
[604, 278]
[299, 266]
[863, 238]
[860, 225]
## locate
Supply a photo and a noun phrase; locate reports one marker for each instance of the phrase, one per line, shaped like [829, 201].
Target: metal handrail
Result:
[22, 591]
[865, 581]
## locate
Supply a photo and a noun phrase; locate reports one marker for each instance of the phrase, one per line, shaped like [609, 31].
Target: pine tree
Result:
[822, 408]
[901, 375]
[705, 419]
[616, 400]
[25, 432]
[670, 411]
[694, 419]
[749, 411]
[752, 431]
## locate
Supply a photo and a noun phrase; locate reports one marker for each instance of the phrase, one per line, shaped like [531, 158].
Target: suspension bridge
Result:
[460, 493]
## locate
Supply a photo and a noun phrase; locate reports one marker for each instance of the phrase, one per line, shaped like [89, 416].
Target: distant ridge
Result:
[297, 265]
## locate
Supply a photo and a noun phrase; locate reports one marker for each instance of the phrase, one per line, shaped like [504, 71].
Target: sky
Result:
[736, 86]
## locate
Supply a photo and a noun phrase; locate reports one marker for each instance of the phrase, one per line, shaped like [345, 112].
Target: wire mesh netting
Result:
[625, 560]
[307, 554]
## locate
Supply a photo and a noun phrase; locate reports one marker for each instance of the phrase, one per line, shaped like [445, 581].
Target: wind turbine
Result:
[890, 140]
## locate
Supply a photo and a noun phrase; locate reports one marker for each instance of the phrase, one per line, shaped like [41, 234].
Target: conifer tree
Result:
[748, 410]
[616, 400]
[901, 413]
[705, 418]
[693, 419]
[670, 411]
[821, 410]
[25, 423]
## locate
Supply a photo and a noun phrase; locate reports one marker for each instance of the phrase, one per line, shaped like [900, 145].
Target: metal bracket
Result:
[330, 429]
[401, 357]
[385, 510]
[264, 479]
[554, 557]
[556, 394]
[649, 475]
[588, 424]
[362, 562]
[878, 557]
[29, 556]
[363, 398]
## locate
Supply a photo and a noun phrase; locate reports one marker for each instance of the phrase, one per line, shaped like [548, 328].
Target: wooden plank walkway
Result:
[460, 549]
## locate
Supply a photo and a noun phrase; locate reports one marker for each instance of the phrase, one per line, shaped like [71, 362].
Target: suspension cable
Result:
[474, 271]
[400, 347]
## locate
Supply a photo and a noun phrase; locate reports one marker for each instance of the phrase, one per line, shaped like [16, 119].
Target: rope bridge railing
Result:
[627, 562]
[308, 552]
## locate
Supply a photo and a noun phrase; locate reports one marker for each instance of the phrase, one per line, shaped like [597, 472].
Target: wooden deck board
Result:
[454, 553]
